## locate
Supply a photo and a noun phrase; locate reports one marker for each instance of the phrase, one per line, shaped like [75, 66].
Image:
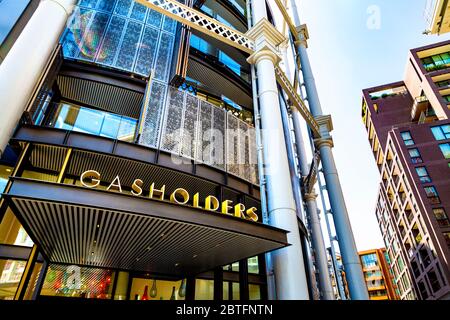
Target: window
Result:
[435, 285]
[94, 283]
[95, 122]
[423, 290]
[204, 289]
[253, 266]
[423, 175]
[441, 132]
[406, 136]
[369, 260]
[445, 148]
[415, 156]
[447, 238]
[445, 83]
[10, 273]
[432, 195]
[436, 62]
[441, 217]
[254, 292]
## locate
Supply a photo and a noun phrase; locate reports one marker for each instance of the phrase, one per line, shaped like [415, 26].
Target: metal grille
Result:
[196, 129]
[103, 96]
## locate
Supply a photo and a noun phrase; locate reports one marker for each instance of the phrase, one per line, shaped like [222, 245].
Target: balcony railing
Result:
[194, 129]
[175, 122]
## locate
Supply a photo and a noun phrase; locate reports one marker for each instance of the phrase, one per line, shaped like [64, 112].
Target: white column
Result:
[289, 268]
[25, 62]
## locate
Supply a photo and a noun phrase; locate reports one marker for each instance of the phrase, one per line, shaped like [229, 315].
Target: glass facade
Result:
[152, 289]
[81, 119]
[120, 34]
[10, 274]
[79, 282]
[12, 232]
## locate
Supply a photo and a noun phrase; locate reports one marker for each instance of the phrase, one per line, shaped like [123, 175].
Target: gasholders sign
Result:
[91, 179]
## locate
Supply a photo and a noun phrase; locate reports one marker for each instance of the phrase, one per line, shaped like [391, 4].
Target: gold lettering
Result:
[239, 210]
[226, 206]
[159, 192]
[137, 187]
[211, 200]
[115, 184]
[182, 192]
[251, 213]
[196, 201]
[93, 175]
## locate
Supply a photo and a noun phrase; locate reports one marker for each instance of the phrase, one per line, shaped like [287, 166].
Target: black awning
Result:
[76, 225]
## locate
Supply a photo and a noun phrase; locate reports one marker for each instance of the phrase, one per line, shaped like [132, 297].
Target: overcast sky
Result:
[350, 50]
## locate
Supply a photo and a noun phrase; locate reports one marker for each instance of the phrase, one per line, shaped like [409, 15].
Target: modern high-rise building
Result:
[146, 154]
[437, 14]
[409, 131]
[378, 274]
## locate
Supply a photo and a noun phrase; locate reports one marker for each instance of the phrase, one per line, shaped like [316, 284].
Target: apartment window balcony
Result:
[87, 120]
[402, 232]
[396, 180]
[416, 234]
[396, 214]
[402, 196]
[429, 115]
[420, 105]
[436, 62]
[424, 256]
[409, 215]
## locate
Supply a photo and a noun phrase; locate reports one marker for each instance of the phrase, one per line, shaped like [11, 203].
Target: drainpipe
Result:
[271, 289]
[349, 253]
[289, 268]
[25, 62]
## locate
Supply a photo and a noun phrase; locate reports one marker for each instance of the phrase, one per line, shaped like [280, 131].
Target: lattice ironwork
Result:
[297, 101]
[201, 22]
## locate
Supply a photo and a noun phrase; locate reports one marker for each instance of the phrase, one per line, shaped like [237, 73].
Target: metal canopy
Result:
[77, 225]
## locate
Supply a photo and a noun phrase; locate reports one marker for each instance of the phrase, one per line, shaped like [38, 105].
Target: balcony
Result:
[428, 115]
[409, 215]
[420, 105]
